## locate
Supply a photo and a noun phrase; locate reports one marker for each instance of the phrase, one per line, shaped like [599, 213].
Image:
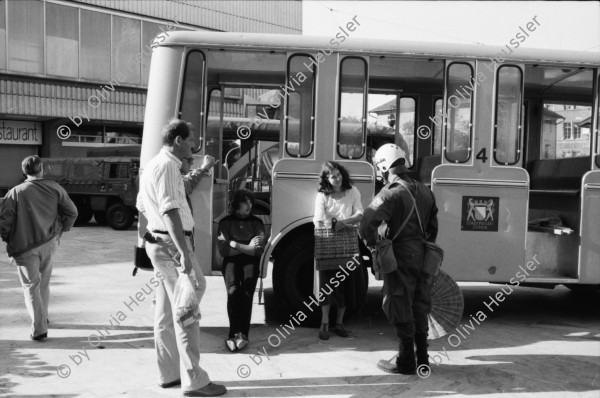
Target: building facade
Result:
[73, 74]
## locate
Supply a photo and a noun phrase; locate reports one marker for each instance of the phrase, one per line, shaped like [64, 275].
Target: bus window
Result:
[566, 97]
[193, 90]
[385, 125]
[597, 129]
[406, 126]
[458, 113]
[509, 82]
[351, 117]
[300, 110]
[564, 131]
[247, 90]
[437, 127]
[213, 131]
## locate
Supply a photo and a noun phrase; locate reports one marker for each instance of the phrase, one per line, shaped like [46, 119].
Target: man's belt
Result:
[186, 233]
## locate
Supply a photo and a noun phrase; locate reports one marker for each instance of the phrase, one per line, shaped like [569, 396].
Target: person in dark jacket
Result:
[407, 291]
[32, 219]
[241, 242]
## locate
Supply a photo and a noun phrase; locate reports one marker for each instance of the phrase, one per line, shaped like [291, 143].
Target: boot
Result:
[421, 342]
[406, 356]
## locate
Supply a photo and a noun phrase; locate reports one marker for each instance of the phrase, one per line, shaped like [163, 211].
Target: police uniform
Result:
[407, 291]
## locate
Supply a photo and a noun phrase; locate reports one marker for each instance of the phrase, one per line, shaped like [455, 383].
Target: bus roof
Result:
[281, 42]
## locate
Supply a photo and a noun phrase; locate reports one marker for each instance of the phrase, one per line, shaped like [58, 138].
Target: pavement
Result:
[537, 343]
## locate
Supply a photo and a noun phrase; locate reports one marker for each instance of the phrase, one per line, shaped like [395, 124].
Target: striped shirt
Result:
[161, 190]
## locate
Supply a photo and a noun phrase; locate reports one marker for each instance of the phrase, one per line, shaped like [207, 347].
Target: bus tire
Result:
[119, 217]
[583, 289]
[293, 278]
[100, 217]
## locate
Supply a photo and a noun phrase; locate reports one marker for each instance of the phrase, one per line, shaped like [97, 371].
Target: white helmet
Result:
[386, 155]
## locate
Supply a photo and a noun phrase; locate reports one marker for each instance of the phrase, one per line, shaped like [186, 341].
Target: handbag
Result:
[335, 248]
[434, 254]
[384, 261]
[141, 260]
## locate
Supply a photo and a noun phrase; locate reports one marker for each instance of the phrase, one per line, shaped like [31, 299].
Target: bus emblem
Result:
[479, 213]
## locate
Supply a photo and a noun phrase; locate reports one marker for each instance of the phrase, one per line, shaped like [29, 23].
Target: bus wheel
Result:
[100, 217]
[583, 289]
[119, 217]
[293, 277]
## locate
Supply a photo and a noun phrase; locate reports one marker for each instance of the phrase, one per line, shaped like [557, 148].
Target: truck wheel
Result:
[119, 217]
[84, 214]
[293, 278]
[100, 217]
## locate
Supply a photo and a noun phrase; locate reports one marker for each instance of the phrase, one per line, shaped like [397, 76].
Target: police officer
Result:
[407, 291]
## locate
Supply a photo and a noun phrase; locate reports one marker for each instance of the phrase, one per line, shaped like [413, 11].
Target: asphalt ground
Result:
[536, 343]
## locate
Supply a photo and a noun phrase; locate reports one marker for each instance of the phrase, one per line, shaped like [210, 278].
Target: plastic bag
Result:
[186, 302]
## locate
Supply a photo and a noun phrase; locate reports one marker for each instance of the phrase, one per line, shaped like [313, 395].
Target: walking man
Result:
[33, 217]
[407, 291]
[163, 201]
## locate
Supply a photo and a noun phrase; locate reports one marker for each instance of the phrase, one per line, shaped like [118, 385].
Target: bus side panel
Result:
[295, 184]
[293, 193]
[589, 255]
[162, 98]
[202, 205]
[163, 88]
[482, 240]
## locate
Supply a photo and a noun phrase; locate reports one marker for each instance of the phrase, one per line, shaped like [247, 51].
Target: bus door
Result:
[243, 133]
[589, 255]
[230, 97]
[563, 202]
[481, 188]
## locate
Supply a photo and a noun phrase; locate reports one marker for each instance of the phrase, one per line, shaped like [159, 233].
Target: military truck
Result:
[104, 188]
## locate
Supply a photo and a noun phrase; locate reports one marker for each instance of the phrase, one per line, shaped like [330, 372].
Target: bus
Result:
[509, 145]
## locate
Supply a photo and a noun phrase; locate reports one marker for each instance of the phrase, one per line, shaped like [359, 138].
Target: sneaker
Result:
[230, 343]
[209, 390]
[241, 341]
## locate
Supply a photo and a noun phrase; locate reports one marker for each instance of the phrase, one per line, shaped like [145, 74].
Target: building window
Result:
[126, 38]
[95, 45]
[104, 136]
[576, 132]
[149, 32]
[26, 36]
[567, 131]
[2, 34]
[62, 40]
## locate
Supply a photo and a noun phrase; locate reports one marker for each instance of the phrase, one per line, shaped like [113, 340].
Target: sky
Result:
[563, 25]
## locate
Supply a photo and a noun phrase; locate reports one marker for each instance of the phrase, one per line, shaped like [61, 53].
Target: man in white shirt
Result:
[162, 199]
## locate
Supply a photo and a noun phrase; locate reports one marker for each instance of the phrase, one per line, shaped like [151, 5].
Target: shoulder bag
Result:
[434, 254]
[384, 261]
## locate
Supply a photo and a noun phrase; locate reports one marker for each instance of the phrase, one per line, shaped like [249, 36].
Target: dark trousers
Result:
[241, 274]
[407, 291]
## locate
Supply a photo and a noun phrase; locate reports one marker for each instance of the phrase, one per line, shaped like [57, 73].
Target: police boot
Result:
[406, 356]
[422, 356]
